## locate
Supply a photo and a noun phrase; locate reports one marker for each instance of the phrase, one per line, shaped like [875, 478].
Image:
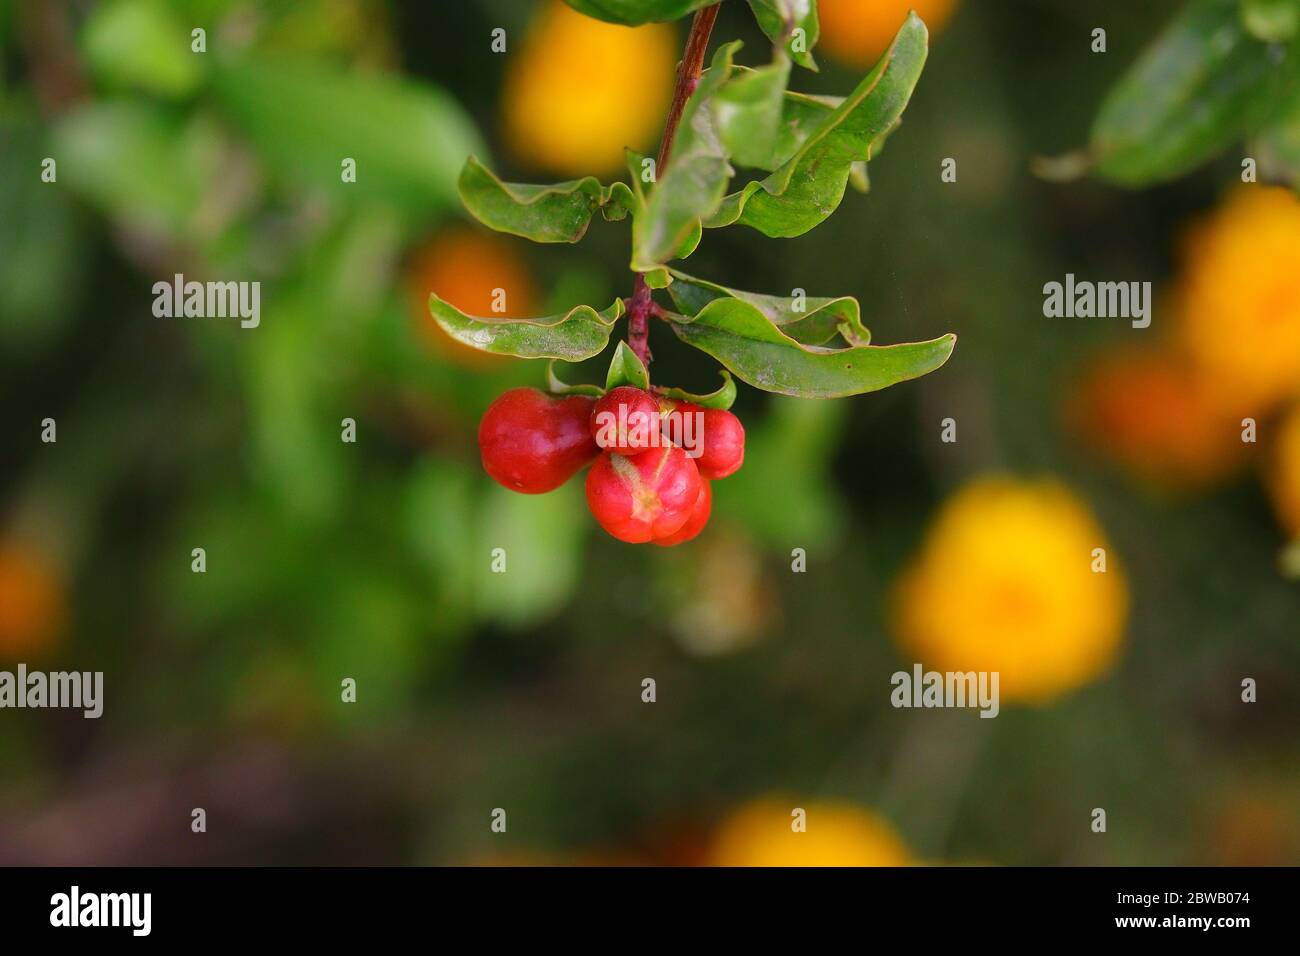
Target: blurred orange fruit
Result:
[31, 602]
[1284, 482]
[1005, 582]
[580, 90]
[1238, 298]
[856, 32]
[837, 834]
[1151, 411]
[477, 273]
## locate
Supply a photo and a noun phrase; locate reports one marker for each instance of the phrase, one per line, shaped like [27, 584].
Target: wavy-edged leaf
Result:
[578, 334]
[741, 337]
[634, 12]
[693, 179]
[779, 19]
[747, 111]
[1201, 85]
[809, 185]
[558, 386]
[626, 368]
[555, 213]
[723, 397]
[810, 320]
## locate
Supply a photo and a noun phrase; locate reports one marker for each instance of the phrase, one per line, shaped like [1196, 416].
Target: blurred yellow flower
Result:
[31, 602]
[836, 834]
[1005, 582]
[856, 32]
[1238, 298]
[581, 90]
[1284, 482]
[1151, 411]
[467, 268]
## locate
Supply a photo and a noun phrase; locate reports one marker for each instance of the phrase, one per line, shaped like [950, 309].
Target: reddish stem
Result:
[641, 305]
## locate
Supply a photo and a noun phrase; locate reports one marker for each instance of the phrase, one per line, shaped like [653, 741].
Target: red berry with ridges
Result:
[626, 420]
[533, 443]
[696, 522]
[643, 498]
[717, 435]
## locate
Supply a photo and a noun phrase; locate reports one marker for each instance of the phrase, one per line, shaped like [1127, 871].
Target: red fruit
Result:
[696, 522]
[643, 498]
[534, 443]
[715, 433]
[626, 420]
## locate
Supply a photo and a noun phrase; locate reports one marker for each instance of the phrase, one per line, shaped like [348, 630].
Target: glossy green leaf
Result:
[781, 19]
[807, 319]
[409, 140]
[742, 338]
[558, 386]
[578, 334]
[555, 213]
[693, 181]
[809, 185]
[1201, 85]
[723, 397]
[633, 12]
[626, 369]
[747, 111]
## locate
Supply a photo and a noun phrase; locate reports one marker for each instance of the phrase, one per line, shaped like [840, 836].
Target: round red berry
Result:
[713, 436]
[696, 522]
[626, 420]
[533, 443]
[643, 498]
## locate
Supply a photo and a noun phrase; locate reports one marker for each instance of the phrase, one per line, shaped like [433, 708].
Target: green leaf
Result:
[779, 19]
[578, 334]
[808, 320]
[1202, 84]
[1273, 21]
[634, 12]
[626, 369]
[557, 386]
[409, 140]
[693, 181]
[722, 398]
[142, 44]
[808, 187]
[742, 338]
[557, 213]
[747, 111]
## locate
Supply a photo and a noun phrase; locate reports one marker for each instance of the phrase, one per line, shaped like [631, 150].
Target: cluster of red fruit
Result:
[644, 485]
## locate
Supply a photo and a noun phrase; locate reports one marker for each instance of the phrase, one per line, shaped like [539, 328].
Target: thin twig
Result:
[642, 305]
